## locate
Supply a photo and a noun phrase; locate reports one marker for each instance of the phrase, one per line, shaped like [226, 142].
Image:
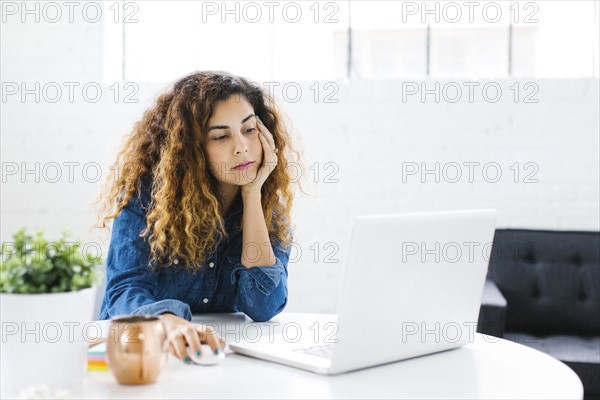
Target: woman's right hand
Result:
[182, 333]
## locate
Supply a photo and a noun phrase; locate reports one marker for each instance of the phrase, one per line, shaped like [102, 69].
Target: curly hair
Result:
[184, 215]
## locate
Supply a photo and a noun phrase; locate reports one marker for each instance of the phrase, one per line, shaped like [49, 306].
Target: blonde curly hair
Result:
[184, 215]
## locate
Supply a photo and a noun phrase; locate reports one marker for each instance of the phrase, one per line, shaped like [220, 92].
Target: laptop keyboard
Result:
[320, 350]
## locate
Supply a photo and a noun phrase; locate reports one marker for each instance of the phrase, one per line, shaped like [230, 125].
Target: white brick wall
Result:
[366, 135]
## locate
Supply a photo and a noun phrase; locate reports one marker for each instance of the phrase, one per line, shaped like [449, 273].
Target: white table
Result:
[488, 368]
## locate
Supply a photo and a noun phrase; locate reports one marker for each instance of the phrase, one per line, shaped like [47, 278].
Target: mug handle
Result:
[97, 342]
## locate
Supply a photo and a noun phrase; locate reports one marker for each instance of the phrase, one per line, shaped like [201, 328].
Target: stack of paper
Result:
[96, 357]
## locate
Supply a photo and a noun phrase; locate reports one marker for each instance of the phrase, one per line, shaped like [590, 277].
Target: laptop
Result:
[413, 285]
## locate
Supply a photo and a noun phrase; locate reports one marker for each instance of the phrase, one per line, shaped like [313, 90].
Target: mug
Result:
[137, 348]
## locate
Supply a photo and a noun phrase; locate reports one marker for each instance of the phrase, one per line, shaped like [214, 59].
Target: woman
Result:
[202, 211]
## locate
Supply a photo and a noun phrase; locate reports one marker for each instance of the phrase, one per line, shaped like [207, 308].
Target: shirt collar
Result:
[236, 207]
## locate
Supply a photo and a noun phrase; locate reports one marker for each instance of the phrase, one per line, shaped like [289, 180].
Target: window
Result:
[310, 40]
[561, 44]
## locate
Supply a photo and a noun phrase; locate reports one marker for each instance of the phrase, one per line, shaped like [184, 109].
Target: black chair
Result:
[543, 291]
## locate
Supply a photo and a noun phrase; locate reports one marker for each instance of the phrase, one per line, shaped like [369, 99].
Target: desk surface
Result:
[487, 368]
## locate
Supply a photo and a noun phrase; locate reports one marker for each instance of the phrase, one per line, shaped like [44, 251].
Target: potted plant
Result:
[47, 294]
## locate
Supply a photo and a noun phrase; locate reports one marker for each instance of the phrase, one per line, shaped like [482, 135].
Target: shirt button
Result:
[176, 261]
[211, 265]
[205, 300]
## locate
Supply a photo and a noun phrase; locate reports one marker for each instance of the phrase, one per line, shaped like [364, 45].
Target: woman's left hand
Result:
[268, 164]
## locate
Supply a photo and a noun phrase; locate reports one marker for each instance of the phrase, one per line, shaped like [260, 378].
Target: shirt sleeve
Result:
[262, 290]
[131, 288]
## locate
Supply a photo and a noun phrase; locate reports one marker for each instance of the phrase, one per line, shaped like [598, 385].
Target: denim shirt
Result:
[223, 285]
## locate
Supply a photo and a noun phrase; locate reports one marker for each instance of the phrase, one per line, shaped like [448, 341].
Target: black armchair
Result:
[543, 291]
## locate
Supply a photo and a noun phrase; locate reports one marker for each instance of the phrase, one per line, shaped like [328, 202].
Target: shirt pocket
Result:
[235, 258]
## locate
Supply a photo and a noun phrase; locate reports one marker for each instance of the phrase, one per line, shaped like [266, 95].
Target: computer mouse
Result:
[207, 355]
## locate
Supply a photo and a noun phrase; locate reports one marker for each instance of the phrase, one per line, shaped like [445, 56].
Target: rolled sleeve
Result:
[172, 306]
[130, 287]
[262, 290]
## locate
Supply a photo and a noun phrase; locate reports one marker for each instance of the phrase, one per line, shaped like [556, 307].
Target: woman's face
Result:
[232, 138]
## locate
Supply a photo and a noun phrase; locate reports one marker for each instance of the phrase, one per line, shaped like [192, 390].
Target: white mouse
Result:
[207, 356]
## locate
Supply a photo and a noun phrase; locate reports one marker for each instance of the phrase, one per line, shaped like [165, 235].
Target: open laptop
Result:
[413, 286]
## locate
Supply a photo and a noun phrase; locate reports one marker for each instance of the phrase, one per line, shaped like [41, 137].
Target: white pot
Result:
[45, 338]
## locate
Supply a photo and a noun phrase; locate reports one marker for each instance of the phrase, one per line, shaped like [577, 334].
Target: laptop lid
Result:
[412, 286]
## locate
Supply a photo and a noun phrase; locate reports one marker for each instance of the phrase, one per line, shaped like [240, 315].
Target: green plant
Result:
[34, 265]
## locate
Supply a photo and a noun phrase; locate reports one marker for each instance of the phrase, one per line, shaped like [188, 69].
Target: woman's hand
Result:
[182, 333]
[269, 160]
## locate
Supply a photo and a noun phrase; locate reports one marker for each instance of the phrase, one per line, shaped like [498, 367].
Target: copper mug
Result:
[137, 348]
